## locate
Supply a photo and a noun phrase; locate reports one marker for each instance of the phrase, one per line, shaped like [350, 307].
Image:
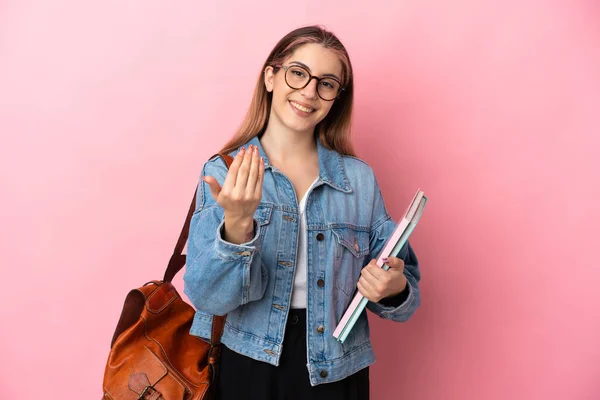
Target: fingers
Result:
[373, 275]
[371, 286]
[250, 174]
[231, 177]
[394, 263]
[244, 170]
[367, 290]
[253, 174]
[242, 189]
[374, 270]
[375, 283]
[259, 181]
[245, 173]
[377, 278]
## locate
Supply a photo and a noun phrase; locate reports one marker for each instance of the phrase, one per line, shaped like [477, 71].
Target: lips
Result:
[301, 107]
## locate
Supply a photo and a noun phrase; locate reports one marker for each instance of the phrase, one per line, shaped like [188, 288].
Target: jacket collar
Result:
[331, 165]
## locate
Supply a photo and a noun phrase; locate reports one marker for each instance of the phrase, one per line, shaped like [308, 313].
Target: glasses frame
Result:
[310, 78]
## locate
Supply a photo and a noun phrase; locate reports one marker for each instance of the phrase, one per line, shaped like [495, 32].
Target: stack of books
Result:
[391, 248]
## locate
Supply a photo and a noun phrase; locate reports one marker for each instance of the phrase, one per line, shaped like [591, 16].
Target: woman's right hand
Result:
[241, 192]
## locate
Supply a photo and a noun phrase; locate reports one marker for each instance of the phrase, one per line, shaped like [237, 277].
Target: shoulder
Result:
[358, 170]
[355, 162]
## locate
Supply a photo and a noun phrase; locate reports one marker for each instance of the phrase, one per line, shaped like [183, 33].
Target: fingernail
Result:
[384, 259]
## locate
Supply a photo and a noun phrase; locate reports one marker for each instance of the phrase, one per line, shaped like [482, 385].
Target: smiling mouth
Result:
[301, 107]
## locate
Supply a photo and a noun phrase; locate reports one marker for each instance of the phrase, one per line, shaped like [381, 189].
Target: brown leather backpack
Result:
[153, 356]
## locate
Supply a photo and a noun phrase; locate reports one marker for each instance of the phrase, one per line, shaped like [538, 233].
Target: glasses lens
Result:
[297, 77]
[328, 89]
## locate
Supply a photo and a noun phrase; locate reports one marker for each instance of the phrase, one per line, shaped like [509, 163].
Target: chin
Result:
[300, 128]
[298, 124]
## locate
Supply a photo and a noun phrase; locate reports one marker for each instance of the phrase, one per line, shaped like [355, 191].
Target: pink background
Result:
[109, 108]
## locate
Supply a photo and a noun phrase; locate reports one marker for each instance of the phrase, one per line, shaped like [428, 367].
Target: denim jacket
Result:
[347, 224]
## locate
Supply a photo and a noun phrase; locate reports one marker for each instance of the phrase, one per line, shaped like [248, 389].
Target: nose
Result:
[310, 90]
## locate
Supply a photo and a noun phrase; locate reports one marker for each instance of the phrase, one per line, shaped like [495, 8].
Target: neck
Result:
[281, 143]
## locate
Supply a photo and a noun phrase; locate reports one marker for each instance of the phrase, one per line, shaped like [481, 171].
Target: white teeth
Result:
[301, 108]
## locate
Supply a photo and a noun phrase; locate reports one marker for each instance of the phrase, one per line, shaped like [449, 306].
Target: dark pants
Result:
[243, 378]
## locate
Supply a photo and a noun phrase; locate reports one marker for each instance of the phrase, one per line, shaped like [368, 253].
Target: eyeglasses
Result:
[298, 77]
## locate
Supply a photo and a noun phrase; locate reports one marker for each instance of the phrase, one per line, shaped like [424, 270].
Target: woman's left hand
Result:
[375, 283]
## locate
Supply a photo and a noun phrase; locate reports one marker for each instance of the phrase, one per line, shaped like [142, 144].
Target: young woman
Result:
[281, 240]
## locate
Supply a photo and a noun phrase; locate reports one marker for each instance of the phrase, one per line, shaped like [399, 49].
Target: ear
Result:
[269, 77]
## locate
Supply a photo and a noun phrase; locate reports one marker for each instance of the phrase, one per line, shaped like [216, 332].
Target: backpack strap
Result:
[178, 259]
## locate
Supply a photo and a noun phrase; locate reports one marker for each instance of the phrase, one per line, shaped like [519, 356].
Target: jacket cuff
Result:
[397, 304]
[230, 251]
[396, 300]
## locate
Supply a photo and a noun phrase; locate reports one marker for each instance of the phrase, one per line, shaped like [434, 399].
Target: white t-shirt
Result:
[299, 289]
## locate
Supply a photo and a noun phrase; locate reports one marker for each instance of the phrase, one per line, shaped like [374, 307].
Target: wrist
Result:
[239, 221]
[238, 230]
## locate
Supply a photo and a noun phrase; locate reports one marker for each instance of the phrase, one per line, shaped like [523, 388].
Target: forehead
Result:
[320, 60]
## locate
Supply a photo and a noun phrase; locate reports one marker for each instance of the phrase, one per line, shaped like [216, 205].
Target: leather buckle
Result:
[150, 392]
[214, 354]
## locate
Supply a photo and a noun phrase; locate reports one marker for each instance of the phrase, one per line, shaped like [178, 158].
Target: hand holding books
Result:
[375, 283]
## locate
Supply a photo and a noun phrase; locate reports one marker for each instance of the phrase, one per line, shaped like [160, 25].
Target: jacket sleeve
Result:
[409, 300]
[220, 276]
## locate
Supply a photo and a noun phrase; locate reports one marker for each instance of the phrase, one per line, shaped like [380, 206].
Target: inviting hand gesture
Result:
[242, 189]
[375, 283]
[240, 194]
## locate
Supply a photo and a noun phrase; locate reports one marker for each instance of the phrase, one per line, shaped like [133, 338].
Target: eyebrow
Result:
[322, 76]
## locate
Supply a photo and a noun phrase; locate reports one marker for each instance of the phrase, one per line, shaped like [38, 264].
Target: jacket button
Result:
[321, 329]
[323, 374]
[320, 237]
[320, 283]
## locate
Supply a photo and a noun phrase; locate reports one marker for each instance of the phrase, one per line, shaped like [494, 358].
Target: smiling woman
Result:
[294, 90]
[309, 48]
[265, 244]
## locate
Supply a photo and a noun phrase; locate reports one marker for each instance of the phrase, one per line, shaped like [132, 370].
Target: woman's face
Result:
[302, 109]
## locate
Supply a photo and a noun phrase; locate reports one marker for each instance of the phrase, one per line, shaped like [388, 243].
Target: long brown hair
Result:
[334, 130]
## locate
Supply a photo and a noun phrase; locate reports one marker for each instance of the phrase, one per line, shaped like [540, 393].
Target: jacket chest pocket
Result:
[351, 248]
[263, 218]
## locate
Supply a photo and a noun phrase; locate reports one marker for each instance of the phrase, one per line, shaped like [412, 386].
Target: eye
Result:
[298, 72]
[330, 85]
